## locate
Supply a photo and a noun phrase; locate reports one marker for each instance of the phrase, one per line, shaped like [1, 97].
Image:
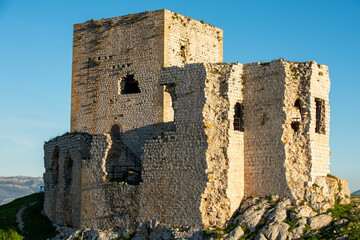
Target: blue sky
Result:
[36, 55]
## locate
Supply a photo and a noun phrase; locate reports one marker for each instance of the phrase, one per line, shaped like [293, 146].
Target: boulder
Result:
[320, 221]
[325, 190]
[251, 217]
[275, 231]
[279, 213]
[235, 234]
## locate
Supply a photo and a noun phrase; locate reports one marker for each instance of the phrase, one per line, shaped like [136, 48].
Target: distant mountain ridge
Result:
[18, 186]
[357, 192]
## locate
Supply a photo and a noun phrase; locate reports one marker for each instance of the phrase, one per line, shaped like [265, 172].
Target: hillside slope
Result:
[35, 226]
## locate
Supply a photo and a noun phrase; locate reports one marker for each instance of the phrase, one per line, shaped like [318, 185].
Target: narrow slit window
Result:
[68, 171]
[320, 116]
[129, 85]
[183, 51]
[55, 167]
[239, 117]
[296, 116]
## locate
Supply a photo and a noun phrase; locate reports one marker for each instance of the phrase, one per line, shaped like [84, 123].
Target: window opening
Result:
[55, 166]
[295, 126]
[296, 116]
[115, 131]
[129, 85]
[239, 117]
[320, 116]
[183, 51]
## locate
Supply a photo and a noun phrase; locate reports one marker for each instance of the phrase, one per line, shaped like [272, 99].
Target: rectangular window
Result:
[239, 117]
[320, 116]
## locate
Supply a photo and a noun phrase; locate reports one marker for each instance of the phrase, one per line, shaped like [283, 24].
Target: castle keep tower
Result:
[162, 130]
[117, 63]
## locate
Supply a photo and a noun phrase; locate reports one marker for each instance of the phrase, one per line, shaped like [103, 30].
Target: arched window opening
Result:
[115, 131]
[68, 171]
[239, 117]
[55, 167]
[129, 85]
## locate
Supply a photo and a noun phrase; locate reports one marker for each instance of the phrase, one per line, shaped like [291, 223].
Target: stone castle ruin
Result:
[162, 129]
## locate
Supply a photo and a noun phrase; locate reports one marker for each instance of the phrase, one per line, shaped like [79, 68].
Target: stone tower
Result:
[117, 64]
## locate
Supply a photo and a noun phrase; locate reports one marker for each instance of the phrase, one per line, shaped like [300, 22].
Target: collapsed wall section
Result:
[63, 177]
[296, 136]
[105, 204]
[287, 126]
[224, 155]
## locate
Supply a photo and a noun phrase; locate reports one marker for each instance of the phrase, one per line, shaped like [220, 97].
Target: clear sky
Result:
[36, 56]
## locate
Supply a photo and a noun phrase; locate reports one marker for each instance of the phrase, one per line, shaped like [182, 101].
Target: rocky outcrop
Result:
[257, 218]
[326, 191]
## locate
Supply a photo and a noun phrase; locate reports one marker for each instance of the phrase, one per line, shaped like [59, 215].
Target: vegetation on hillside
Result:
[349, 218]
[36, 225]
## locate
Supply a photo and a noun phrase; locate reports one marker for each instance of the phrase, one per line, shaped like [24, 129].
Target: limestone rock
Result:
[260, 236]
[302, 212]
[344, 194]
[105, 235]
[251, 217]
[325, 189]
[235, 234]
[298, 231]
[279, 213]
[319, 221]
[276, 231]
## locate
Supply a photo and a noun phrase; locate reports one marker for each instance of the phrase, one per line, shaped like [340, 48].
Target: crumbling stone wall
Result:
[296, 126]
[63, 157]
[195, 159]
[105, 204]
[282, 149]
